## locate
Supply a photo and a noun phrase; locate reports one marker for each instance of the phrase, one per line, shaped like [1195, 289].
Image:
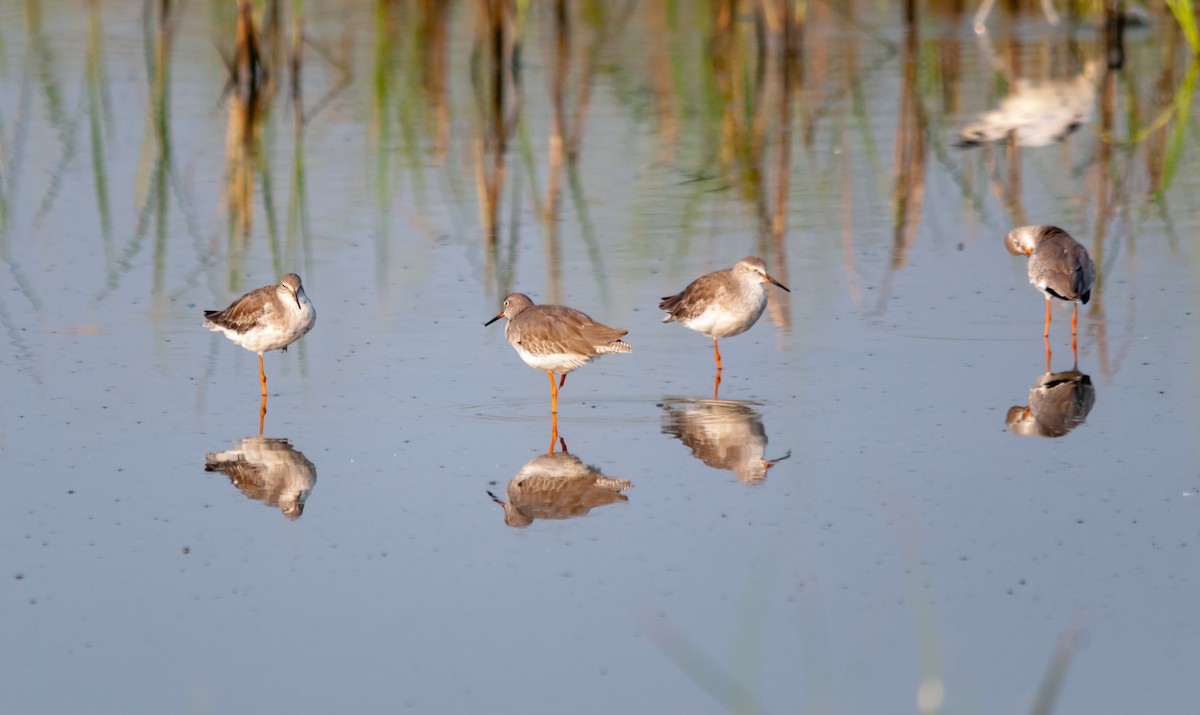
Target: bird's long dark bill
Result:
[777, 283]
[493, 320]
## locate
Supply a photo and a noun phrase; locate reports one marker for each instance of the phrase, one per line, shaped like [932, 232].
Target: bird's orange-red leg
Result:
[1046, 332]
[717, 353]
[553, 394]
[262, 375]
[562, 380]
[716, 384]
[1046, 341]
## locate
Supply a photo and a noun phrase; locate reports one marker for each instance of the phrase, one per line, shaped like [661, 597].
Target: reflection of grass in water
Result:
[11, 158]
[701, 94]
[705, 672]
[268, 199]
[98, 113]
[407, 106]
[734, 688]
[297, 213]
[156, 176]
[381, 127]
[44, 69]
[21, 353]
[1181, 104]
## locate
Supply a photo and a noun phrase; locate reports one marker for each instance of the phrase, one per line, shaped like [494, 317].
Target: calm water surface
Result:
[905, 551]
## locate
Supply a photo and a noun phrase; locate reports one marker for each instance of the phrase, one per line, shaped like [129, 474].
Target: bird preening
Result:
[1058, 266]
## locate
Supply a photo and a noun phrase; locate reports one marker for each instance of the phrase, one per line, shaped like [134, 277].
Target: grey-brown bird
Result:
[556, 338]
[267, 318]
[1058, 266]
[723, 303]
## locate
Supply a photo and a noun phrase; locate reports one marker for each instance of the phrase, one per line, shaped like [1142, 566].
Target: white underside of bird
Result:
[557, 363]
[270, 334]
[719, 322]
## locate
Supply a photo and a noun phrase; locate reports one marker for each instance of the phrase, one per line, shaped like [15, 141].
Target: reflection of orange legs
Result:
[553, 433]
[1074, 323]
[1074, 343]
[262, 413]
[1046, 341]
[1046, 332]
[554, 436]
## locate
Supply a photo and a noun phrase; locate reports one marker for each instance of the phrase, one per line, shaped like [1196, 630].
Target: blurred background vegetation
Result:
[755, 100]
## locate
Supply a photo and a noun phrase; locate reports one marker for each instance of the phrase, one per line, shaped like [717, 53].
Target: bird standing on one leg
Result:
[267, 318]
[556, 338]
[723, 303]
[1058, 266]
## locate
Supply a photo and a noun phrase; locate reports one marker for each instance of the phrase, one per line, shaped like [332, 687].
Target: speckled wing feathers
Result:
[239, 470]
[689, 303]
[1062, 267]
[245, 313]
[557, 329]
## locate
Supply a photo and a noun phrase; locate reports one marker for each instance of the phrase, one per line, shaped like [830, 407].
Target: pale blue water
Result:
[908, 539]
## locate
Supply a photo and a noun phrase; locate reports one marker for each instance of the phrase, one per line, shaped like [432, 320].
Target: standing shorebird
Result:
[267, 318]
[556, 338]
[723, 303]
[1058, 266]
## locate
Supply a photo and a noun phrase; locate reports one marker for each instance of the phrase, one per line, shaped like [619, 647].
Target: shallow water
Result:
[904, 549]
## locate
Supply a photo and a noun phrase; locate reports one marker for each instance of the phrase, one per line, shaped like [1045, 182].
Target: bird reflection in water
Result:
[1058, 403]
[1037, 112]
[269, 470]
[558, 485]
[724, 434]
